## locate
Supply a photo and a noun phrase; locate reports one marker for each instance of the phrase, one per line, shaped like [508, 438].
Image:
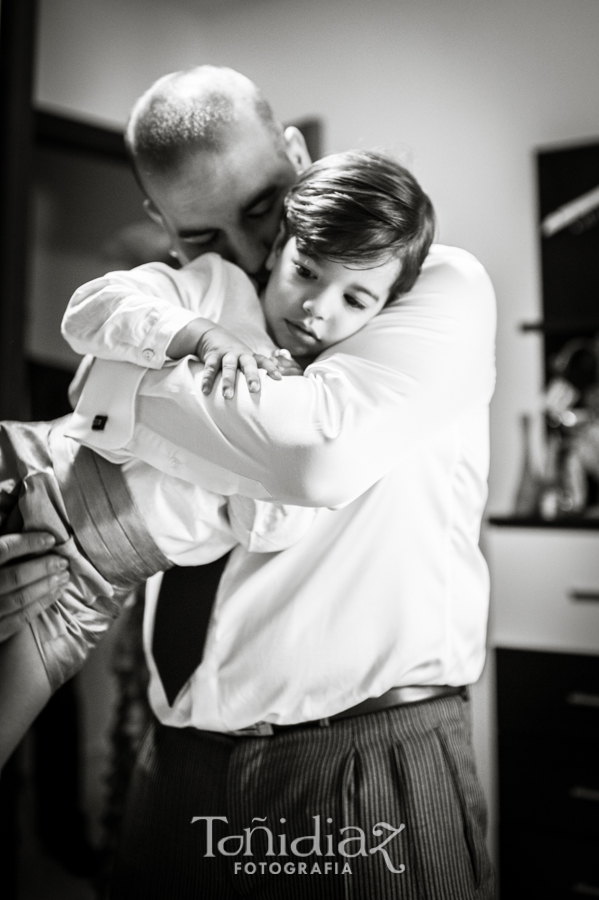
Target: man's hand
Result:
[28, 587]
[219, 349]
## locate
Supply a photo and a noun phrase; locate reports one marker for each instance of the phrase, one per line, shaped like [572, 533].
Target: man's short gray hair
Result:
[192, 110]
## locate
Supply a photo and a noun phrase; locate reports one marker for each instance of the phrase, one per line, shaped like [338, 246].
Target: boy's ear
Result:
[153, 212]
[297, 151]
[278, 245]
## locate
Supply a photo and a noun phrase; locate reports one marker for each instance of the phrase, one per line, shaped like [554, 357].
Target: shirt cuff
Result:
[163, 327]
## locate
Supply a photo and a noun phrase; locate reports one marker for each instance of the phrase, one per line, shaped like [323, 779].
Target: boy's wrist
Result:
[185, 341]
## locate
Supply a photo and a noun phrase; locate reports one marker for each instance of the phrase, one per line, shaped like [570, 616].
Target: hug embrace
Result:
[304, 404]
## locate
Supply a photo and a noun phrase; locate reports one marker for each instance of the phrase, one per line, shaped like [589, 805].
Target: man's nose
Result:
[247, 251]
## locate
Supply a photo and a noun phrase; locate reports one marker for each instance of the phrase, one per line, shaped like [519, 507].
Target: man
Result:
[322, 747]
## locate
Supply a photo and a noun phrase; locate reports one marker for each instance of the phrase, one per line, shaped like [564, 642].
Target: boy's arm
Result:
[138, 315]
[132, 316]
[153, 314]
[415, 370]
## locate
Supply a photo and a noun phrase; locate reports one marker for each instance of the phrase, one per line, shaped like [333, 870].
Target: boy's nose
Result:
[319, 306]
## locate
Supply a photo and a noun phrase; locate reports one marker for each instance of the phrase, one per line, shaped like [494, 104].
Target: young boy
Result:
[357, 229]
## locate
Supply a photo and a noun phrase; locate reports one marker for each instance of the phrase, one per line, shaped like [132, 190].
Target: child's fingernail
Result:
[228, 393]
[48, 541]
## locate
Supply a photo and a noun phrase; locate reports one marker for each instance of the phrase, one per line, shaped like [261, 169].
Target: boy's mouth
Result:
[303, 331]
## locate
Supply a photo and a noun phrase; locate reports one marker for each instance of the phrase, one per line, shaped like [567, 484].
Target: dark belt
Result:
[397, 696]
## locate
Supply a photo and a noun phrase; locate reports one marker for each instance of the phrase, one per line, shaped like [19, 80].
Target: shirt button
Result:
[148, 353]
[173, 462]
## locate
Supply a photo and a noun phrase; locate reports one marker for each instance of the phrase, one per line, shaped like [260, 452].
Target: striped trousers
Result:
[380, 806]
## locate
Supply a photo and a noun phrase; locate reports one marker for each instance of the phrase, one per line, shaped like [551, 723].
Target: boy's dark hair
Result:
[362, 208]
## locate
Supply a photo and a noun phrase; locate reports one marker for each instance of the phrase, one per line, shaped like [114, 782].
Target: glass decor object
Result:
[529, 486]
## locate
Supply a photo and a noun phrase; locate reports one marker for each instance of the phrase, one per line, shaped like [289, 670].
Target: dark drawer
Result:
[552, 694]
[549, 785]
[534, 865]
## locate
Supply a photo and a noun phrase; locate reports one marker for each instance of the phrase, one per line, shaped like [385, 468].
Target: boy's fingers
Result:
[291, 369]
[249, 367]
[211, 368]
[229, 366]
[270, 366]
[284, 363]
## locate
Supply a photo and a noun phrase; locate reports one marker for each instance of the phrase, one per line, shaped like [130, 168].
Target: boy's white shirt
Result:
[130, 317]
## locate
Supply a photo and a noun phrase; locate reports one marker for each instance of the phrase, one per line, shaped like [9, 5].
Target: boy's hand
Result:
[27, 587]
[219, 349]
[287, 364]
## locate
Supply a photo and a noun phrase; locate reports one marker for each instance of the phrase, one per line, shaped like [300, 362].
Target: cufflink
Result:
[99, 423]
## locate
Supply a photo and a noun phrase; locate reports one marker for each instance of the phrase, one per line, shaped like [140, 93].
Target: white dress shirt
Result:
[390, 427]
[123, 316]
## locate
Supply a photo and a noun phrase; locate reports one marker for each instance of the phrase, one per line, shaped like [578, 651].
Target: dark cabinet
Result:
[548, 745]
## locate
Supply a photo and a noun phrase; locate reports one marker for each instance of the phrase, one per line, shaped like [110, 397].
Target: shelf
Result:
[576, 522]
[570, 327]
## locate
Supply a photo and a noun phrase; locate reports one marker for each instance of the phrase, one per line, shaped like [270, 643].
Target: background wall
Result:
[463, 90]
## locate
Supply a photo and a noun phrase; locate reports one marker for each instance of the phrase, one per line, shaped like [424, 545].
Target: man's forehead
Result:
[209, 184]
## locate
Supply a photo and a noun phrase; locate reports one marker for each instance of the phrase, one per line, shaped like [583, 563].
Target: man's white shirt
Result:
[390, 431]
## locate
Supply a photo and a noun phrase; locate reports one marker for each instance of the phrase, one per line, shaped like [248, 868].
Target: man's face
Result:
[228, 202]
[311, 303]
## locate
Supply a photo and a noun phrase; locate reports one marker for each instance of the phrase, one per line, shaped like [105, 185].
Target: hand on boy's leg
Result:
[27, 586]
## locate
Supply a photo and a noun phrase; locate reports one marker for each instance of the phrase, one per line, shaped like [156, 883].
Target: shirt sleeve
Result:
[263, 527]
[323, 439]
[132, 316]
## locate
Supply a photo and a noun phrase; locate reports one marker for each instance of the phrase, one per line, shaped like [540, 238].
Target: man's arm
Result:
[363, 406]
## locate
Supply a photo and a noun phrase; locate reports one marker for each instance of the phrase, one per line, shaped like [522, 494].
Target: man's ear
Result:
[297, 152]
[154, 213]
[278, 245]
[156, 216]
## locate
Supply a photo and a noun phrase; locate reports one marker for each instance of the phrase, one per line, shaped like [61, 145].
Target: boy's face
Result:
[311, 303]
[229, 202]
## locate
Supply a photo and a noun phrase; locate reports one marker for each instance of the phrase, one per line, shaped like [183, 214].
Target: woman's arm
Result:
[24, 689]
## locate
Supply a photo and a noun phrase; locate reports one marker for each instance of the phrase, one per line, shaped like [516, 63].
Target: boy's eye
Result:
[303, 271]
[353, 302]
